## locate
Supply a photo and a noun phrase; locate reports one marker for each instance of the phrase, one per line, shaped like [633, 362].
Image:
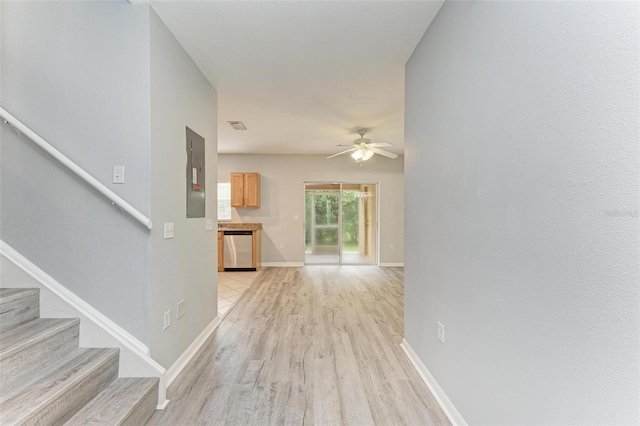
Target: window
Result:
[224, 201]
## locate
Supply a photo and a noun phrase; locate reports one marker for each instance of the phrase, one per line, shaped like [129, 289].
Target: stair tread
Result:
[10, 294]
[56, 378]
[113, 405]
[32, 332]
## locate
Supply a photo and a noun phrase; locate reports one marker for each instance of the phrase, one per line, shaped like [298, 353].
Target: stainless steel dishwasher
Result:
[238, 251]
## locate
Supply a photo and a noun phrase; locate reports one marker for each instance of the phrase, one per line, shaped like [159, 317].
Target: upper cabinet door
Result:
[245, 189]
[237, 190]
[252, 190]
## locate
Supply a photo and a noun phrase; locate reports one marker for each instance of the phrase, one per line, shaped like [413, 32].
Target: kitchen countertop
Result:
[226, 226]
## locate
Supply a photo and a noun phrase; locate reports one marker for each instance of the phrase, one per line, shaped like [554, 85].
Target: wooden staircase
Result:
[47, 379]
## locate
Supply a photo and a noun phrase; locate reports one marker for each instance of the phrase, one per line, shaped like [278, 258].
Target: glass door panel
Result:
[322, 236]
[358, 224]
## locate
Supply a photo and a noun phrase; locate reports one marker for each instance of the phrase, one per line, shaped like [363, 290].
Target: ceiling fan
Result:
[363, 149]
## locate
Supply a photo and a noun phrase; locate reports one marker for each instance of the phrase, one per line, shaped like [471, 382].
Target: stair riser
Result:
[18, 370]
[144, 410]
[19, 311]
[67, 403]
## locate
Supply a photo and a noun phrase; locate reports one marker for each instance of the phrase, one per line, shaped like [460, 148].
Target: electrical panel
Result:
[195, 175]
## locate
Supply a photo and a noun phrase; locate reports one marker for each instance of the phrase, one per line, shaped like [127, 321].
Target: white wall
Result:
[77, 73]
[282, 197]
[522, 141]
[184, 267]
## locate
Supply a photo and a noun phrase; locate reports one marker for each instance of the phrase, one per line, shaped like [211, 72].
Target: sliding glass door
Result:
[340, 223]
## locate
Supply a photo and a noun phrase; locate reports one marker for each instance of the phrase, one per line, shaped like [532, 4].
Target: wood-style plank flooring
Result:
[317, 345]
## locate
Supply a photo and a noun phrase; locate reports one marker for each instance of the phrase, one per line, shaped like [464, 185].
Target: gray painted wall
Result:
[77, 73]
[107, 84]
[522, 142]
[282, 197]
[184, 267]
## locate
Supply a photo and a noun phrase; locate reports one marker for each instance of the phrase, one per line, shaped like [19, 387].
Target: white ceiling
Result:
[303, 76]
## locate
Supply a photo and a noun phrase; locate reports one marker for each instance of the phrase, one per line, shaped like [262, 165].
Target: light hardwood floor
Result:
[317, 345]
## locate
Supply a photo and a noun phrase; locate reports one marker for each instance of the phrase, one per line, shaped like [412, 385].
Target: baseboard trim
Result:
[283, 264]
[299, 264]
[120, 335]
[445, 403]
[193, 348]
[163, 405]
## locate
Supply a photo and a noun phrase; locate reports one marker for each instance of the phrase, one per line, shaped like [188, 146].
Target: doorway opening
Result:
[341, 223]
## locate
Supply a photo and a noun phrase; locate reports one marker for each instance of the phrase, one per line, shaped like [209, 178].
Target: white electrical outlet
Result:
[281, 246]
[440, 331]
[296, 217]
[168, 230]
[208, 224]
[167, 320]
[118, 174]
[392, 246]
[180, 309]
[247, 218]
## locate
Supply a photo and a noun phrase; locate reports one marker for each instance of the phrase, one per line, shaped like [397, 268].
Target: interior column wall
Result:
[183, 267]
[522, 198]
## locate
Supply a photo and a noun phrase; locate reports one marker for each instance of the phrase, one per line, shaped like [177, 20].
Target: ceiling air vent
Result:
[238, 125]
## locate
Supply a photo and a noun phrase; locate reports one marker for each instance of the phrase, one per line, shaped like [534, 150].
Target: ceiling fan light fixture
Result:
[363, 150]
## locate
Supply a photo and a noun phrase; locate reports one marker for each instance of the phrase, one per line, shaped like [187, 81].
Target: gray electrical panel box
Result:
[195, 174]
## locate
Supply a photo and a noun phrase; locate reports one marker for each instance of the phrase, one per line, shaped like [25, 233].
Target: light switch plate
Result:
[166, 320]
[296, 217]
[168, 230]
[180, 309]
[209, 224]
[118, 174]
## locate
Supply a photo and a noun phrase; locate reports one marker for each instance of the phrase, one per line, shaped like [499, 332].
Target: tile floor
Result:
[231, 285]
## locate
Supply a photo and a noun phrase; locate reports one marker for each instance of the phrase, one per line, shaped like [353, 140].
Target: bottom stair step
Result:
[126, 401]
[64, 388]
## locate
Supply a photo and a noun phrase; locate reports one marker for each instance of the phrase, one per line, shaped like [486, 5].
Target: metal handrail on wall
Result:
[100, 187]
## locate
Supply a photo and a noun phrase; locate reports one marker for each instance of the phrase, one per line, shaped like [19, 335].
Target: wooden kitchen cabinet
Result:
[220, 251]
[237, 189]
[252, 189]
[245, 189]
[257, 255]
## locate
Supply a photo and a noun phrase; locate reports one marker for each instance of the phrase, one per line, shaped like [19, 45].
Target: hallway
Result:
[315, 345]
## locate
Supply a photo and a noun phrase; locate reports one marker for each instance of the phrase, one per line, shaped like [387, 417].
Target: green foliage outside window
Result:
[326, 206]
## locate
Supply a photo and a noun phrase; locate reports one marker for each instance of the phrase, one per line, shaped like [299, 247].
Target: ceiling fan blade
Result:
[342, 144]
[378, 144]
[384, 153]
[343, 152]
